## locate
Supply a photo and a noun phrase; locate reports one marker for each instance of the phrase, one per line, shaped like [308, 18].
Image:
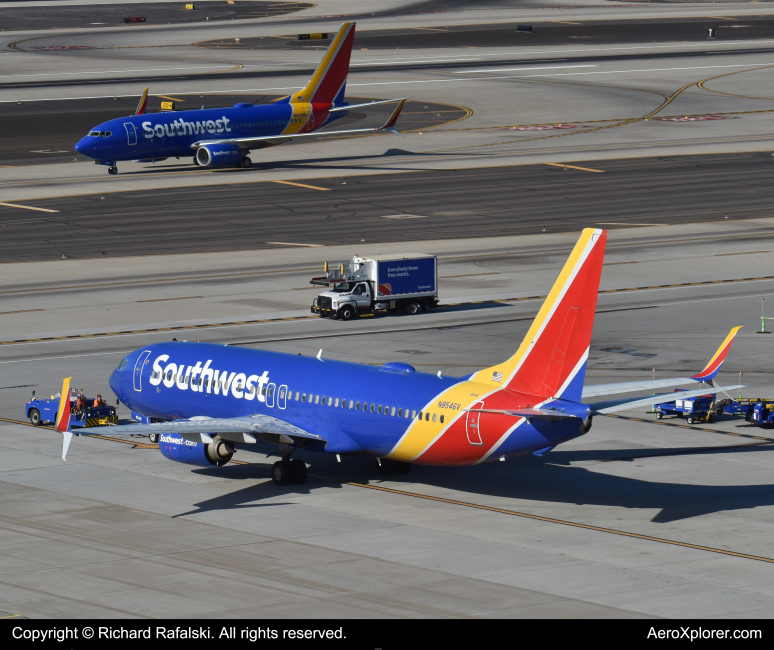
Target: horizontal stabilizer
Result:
[614, 406]
[529, 414]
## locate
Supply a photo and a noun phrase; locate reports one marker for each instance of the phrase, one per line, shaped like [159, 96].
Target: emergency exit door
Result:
[131, 133]
[473, 425]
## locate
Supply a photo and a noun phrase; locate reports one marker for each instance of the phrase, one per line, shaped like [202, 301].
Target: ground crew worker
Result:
[98, 401]
[80, 404]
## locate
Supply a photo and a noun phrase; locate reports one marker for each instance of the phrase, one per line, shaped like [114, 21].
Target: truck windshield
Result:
[344, 287]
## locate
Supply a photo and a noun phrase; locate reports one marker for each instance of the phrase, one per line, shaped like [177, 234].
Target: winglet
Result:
[143, 103]
[713, 367]
[63, 417]
[390, 124]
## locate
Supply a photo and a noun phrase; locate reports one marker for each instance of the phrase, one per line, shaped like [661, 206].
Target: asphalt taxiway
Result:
[638, 518]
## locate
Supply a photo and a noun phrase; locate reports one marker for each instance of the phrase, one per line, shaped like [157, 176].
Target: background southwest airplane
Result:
[207, 400]
[220, 137]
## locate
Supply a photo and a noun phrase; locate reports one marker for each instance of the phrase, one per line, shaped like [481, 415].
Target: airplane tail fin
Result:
[143, 103]
[63, 417]
[551, 361]
[713, 367]
[327, 83]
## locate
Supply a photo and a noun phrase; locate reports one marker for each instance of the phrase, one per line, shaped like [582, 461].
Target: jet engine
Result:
[218, 155]
[176, 448]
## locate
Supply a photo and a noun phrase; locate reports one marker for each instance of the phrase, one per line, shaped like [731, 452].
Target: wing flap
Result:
[528, 414]
[599, 390]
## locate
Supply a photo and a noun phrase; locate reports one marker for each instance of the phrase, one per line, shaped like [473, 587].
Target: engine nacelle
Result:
[218, 155]
[176, 448]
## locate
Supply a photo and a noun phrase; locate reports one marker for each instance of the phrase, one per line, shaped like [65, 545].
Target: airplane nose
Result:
[80, 146]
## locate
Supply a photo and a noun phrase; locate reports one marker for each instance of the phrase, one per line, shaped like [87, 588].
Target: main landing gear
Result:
[113, 170]
[287, 471]
[387, 467]
[245, 163]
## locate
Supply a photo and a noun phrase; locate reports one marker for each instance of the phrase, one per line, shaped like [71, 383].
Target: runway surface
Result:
[534, 34]
[90, 16]
[409, 207]
[660, 141]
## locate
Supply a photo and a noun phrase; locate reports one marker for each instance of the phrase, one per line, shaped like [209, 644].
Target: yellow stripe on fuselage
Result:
[576, 258]
[420, 435]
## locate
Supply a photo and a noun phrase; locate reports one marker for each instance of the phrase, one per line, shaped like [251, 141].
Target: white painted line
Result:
[552, 67]
[63, 74]
[69, 356]
[27, 207]
[287, 243]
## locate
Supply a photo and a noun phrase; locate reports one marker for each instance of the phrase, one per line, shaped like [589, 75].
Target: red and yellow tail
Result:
[551, 361]
[328, 81]
[143, 105]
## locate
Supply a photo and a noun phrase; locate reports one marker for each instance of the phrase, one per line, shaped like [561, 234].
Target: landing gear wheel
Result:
[112, 170]
[385, 467]
[35, 417]
[281, 472]
[153, 438]
[246, 162]
[347, 313]
[659, 416]
[298, 471]
[413, 308]
[690, 420]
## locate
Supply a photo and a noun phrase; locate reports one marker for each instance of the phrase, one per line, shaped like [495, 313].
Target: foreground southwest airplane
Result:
[220, 137]
[206, 400]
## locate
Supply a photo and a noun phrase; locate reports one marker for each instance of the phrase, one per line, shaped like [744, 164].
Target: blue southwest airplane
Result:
[221, 137]
[201, 401]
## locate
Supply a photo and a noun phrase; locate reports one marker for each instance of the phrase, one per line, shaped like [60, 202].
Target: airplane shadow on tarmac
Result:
[552, 479]
[305, 163]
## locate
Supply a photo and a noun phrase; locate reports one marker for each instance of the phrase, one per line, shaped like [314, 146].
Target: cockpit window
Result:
[122, 365]
[94, 134]
[100, 134]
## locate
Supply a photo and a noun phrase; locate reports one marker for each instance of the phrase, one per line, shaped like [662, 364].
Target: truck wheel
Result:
[35, 417]
[659, 416]
[347, 313]
[690, 420]
[413, 308]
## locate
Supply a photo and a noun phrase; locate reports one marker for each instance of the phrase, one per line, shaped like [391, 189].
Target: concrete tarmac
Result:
[637, 518]
[410, 207]
[159, 537]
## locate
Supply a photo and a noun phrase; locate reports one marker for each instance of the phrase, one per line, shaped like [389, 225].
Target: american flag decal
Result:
[497, 376]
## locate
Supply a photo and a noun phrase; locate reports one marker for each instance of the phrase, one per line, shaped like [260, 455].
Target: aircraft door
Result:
[270, 395]
[142, 360]
[282, 396]
[131, 133]
[472, 425]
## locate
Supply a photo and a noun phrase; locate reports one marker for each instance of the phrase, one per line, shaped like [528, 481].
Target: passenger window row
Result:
[378, 409]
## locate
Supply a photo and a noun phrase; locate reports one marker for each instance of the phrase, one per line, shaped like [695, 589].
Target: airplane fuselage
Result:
[174, 133]
[354, 408]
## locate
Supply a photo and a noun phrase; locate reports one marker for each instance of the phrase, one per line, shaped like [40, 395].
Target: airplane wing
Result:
[613, 406]
[340, 109]
[247, 429]
[706, 375]
[252, 143]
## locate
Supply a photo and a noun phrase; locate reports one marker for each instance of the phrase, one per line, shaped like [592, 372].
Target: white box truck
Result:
[398, 283]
